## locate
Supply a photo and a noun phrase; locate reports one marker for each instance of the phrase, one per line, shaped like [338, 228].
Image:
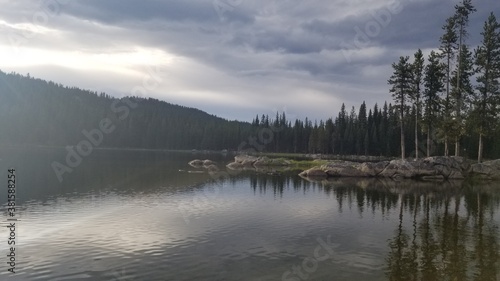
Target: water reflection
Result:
[120, 171]
[452, 237]
[445, 230]
[251, 226]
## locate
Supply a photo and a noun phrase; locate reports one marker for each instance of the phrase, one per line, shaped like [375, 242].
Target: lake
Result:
[143, 215]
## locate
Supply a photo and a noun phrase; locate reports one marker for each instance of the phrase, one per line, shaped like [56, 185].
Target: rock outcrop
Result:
[486, 170]
[438, 167]
[196, 163]
[209, 165]
[246, 161]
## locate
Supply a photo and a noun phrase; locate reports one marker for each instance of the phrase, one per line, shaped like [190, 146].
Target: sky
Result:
[231, 58]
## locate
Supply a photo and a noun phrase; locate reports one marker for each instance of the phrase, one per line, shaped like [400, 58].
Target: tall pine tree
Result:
[417, 75]
[433, 82]
[401, 81]
[448, 48]
[462, 13]
[488, 67]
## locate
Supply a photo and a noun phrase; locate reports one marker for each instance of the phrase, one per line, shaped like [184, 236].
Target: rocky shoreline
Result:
[430, 168]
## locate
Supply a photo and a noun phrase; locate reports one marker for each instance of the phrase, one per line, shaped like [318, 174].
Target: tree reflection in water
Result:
[446, 230]
[454, 236]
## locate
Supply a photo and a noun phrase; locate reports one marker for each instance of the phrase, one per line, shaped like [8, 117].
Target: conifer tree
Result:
[448, 48]
[417, 75]
[401, 82]
[487, 58]
[433, 82]
[462, 13]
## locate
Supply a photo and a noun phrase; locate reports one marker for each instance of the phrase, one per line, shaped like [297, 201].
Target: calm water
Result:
[134, 216]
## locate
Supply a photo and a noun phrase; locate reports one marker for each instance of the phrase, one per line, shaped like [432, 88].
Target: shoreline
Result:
[429, 168]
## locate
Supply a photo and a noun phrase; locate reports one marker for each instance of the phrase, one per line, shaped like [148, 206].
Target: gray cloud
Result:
[251, 56]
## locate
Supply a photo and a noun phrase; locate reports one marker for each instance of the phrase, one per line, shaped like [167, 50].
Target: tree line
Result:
[37, 112]
[442, 91]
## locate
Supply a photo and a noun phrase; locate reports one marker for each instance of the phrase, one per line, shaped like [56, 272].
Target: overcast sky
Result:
[231, 58]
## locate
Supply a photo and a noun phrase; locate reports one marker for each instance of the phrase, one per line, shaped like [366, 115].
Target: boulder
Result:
[245, 159]
[399, 169]
[345, 171]
[373, 169]
[208, 163]
[464, 164]
[212, 168]
[235, 166]
[486, 170]
[424, 169]
[262, 161]
[314, 172]
[196, 163]
[454, 175]
[449, 167]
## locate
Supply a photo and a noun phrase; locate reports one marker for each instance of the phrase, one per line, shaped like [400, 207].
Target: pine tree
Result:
[487, 59]
[462, 13]
[329, 142]
[433, 82]
[418, 69]
[342, 127]
[384, 130]
[448, 48]
[401, 92]
[462, 96]
[361, 130]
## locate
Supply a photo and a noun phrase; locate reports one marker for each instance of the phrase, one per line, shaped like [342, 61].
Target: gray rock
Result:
[235, 166]
[449, 167]
[486, 170]
[399, 169]
[430, 168]
[345, 171]
[247, 162]
[454, 175]
[208, 163]
[424, 169]
[196, 163]
[373, 169]
[212, 168]
[315, 172]
[245, 159]
[465, 165]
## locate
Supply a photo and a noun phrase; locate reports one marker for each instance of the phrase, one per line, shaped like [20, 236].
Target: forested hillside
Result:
[33, 111]
[36, 112]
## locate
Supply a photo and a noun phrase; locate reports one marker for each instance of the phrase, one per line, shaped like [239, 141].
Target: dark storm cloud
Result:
[122, 11]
